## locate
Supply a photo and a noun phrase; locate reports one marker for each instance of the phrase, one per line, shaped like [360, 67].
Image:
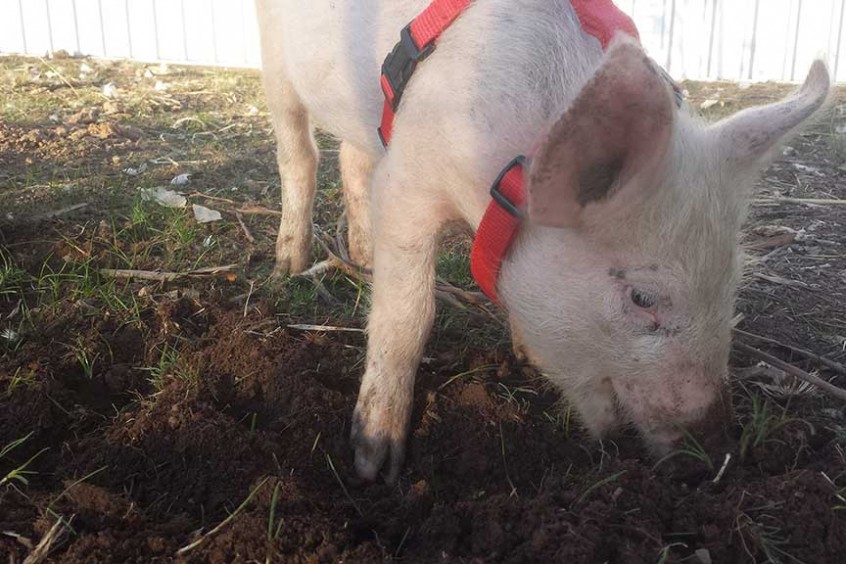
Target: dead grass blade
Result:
[827, 387]
[811, 201]
[24, 541]
[57, 213]
[188, 548]
[327, 328]
[52, 539]
[834, 365]
[341, 483]
[246, 231]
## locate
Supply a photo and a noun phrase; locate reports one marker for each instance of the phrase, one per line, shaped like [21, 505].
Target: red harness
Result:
[599, 18]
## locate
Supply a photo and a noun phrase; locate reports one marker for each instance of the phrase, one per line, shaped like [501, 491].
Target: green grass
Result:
[274, 524]
[664, 555]
[561, 418]
[762, 424]
[596, 485]
[165, 368]
[771, 542]
[455, 268]
[86, 358]
[690, 448]
[12, 278]
[516, 395]
[20, 473]
[20, 379]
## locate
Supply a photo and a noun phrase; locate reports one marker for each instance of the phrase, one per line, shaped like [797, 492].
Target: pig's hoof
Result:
[361, 254]
[288, 266]
[280, 272]
[375, 446]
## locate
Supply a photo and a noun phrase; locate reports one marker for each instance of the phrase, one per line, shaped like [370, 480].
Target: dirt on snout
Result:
[251, 433]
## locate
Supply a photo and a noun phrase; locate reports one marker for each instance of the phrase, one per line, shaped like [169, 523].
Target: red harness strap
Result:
[417, 41]
[602, 19]
[502, 219]
[498, 227]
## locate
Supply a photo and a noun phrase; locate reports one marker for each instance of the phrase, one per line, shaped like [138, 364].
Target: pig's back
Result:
[500, 73]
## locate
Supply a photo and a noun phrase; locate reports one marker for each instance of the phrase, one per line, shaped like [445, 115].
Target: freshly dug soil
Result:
[260, 412]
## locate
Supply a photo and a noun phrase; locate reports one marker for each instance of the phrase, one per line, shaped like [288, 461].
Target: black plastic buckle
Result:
[401, 62]
[499, 197]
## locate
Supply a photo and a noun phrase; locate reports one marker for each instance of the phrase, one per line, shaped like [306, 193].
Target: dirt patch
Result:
[488, 476]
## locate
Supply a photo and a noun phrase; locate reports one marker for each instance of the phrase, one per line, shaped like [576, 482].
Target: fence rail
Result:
[744, 40]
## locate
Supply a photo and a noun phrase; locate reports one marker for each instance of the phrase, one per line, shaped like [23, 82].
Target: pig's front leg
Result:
[403, 308]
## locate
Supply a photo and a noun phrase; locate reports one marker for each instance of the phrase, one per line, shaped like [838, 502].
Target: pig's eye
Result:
[642, 299]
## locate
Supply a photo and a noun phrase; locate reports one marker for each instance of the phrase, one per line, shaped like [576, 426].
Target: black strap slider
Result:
[499, 197]
[400, 64]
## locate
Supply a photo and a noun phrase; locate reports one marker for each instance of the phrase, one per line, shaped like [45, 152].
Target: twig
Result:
[327, 328]
[722, 471]
[57, 213]
[244, 209]
[212, 198]
[257, 210]
[837, 392]
[61, 77]
[247, 301]
[475, 298]
[779, 280]
[319, 268]
[247, 233]
[223, 523]
[813, 201]
[450, 299]
[165, 276]
[834, 365]
[347, 267]
[443, 290]
[339, 237]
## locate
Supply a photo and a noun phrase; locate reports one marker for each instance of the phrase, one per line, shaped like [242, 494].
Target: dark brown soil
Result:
[207, 430]
[265, 410]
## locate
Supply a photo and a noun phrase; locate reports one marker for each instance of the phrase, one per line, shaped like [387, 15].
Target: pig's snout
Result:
[664, 409]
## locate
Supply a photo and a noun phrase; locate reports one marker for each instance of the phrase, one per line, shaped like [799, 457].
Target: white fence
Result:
[748, 40]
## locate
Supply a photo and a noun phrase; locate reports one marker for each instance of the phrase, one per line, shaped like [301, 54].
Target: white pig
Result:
[622, 281]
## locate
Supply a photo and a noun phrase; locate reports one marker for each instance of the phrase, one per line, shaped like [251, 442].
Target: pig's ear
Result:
[747, 138]
[618, 128]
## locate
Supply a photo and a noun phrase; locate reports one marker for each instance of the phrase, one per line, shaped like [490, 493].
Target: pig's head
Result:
[622, 283]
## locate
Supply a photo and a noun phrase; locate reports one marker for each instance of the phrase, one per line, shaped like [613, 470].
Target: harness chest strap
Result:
[502, 219]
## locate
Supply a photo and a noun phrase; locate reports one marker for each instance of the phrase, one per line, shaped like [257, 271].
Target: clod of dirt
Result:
[83, 117]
